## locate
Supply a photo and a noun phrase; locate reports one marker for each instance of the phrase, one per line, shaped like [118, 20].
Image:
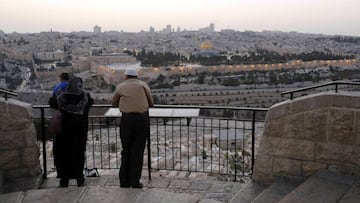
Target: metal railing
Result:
[335, 84]
[220, 141]
[6, 93]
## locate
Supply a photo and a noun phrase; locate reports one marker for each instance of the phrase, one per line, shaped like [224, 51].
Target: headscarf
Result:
[74, 87]
[74, 99]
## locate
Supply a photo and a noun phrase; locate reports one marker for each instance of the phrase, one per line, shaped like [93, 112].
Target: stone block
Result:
[348, 170]
[346, 101]
[9, 122]
[30, 138]
[294, 126]
[274, 128]
[30, 155]
[9, 159]
[286, 167]
[311, 102]
[333, 153]
[286, 147]
[17, 173]
[315, 125]
[34, 170]
[12, 139]
[263, 164]
[341, 126]
[357, 127]
[278, 111]
[20, 109]
[309, 168]
[3, 105]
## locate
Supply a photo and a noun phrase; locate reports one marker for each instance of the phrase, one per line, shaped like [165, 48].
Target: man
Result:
[133, 97]
[58, 89]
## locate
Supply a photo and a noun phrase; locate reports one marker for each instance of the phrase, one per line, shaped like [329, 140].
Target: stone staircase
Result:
[323, 187]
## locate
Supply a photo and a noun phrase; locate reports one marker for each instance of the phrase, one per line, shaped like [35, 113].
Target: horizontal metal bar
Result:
[320, 85]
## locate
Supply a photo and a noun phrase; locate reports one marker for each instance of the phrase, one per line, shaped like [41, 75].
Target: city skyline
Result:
[330, 17]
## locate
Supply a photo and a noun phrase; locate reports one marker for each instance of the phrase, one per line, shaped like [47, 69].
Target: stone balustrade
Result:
[19, 161]
[319, 132]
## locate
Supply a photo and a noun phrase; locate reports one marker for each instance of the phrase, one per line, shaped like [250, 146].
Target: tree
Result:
[201, 79]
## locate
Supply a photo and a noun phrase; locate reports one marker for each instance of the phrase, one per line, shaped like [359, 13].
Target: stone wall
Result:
[319, 132]
[19, 161]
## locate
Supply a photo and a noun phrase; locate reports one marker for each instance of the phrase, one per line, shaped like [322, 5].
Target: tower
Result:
[97, 29]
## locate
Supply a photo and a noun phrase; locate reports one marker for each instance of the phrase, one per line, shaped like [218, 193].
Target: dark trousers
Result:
[133, 132]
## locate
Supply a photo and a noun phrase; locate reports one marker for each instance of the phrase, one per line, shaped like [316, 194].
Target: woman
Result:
[70, 145]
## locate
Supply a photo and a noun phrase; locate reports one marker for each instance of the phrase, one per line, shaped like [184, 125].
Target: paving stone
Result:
[216, 195]
[173, 174]
[159, 183]
[200, 186]
[179, 184]
[158, 196]
[209, 201]
[11, 197]
[183, 174]
[110, 194]
[71, 194]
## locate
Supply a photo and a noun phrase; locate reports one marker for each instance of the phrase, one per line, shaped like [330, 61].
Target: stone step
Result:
[353, 195]
[249, 192]
[321, 187]
[94, 194]
[277, 190]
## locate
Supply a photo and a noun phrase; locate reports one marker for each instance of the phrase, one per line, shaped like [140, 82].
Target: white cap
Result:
[131, 72]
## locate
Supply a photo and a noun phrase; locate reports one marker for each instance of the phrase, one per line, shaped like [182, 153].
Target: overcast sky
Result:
[308, 16]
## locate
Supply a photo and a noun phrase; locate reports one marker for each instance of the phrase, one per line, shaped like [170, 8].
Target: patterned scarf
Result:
[74, 99]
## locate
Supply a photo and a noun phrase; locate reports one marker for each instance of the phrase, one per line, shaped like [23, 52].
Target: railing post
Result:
[336, 87]
[148, 147]
[43, 142]
[291, 96]
[253, 141]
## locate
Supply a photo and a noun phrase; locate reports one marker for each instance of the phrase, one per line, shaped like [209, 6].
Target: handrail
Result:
[7, 92]
[336, 83]
[173, 106]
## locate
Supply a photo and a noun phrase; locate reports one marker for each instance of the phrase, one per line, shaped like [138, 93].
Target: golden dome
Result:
[206, 45]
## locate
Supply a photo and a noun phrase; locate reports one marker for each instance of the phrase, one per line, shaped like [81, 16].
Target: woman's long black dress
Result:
[70, 145]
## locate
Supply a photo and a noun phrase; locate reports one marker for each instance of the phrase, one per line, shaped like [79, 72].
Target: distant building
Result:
[115, 73]
[2, 33]
[152, 29]
[97, 29]
[57, 55]
[168, 28]
[211, 28]
[206, 50]
[112, 58]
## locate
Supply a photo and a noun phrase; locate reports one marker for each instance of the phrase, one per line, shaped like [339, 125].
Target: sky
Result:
[330, 17]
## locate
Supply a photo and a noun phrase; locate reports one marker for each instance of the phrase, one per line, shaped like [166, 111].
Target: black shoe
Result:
[80, 181]
[64, 182]
[140, 185]
[125, 186]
